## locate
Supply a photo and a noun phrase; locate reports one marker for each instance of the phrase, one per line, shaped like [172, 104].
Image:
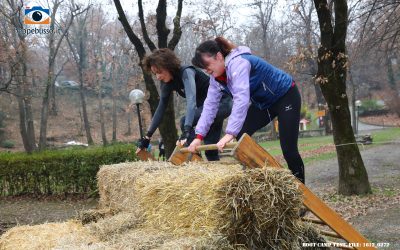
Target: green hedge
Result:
[59, 171]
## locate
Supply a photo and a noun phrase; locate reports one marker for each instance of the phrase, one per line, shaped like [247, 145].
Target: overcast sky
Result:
[242, 14]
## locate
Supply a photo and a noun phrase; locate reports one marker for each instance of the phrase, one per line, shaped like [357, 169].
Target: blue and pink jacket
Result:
[250, 79]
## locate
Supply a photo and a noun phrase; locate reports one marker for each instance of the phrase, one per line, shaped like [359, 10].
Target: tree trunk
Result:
[99, 83]
[24, 100]
[167, 128]
[53, 103]
[30, 125]
[45, 109]
[129, 121]
[27, 104]
[114, 104]
[332, 67]
[29, 115]
[22, 124]
[84, 111]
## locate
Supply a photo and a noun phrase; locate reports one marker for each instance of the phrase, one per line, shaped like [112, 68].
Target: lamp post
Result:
[137, 96]
[357, 104]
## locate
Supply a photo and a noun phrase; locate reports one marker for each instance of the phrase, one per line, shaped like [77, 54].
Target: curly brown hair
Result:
[162, 59]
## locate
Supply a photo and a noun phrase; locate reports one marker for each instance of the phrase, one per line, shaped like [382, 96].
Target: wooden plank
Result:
[331, 218]
[315, 221]
[144, 155]
[330, 234]
[178, 158]
[253, 155]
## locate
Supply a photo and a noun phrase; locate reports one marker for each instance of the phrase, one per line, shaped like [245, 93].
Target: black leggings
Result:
[287, 109]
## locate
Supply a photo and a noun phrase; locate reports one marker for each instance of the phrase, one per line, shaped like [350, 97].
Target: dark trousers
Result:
[287, 109]
[214, 134]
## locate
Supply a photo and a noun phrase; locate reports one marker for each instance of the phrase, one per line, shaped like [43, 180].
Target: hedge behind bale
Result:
[59, 171]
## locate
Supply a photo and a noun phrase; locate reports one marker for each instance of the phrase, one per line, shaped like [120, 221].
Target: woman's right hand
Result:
[192, 147]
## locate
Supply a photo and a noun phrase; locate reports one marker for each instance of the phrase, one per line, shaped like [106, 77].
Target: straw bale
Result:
[106, 228]
[200, 243]
[309, 234]
[45, 236]
[149, 205]
[93, 215]
[255, 207]
[116, 183]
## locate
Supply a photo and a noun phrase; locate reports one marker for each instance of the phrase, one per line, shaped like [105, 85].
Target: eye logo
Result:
[36, 15]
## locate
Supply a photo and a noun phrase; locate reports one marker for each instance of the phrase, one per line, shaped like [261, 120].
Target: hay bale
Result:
[147, 205]
[256, 207]
[93, 215]
[116, 184]
[309, 234]
[105, 229]
[45, 236]
[201, 243]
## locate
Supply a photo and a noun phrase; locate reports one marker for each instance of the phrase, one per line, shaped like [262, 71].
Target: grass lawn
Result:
[322, 148]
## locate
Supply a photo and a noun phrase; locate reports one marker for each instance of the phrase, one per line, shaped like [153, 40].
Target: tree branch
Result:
[325, 22]
[162, 30]
[146, 37]
[128, 29]
[340, 29]
[177, 33]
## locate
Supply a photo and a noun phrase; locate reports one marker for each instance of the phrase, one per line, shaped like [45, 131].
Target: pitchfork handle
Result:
[209, 147]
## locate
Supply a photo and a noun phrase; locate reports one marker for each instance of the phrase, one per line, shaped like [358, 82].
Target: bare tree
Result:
[167, 127]
[78, 49]
[218, 18]
[380, 32]
[332, 69]
[54, 46]
[264, 10]
[19, 71]
[303, 20]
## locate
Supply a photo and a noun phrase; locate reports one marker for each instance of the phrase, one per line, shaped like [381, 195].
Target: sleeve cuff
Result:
[149, 134]
[232, 133]
[199, 136]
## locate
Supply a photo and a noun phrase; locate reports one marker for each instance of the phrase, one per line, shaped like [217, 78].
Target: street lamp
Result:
[137, 97]
[357, 104]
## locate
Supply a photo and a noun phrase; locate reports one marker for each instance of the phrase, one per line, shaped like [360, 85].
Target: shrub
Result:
[370, 105]
[7, 144]
[68, 171]
[305, 113]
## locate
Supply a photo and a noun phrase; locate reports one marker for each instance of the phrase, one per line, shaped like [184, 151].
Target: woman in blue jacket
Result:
[251, 80]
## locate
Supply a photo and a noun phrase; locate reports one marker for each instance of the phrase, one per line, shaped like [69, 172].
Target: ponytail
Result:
[211, 48]
[225, 45]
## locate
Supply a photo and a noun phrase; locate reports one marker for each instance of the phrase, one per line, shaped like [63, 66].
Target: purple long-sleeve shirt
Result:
[238, 74]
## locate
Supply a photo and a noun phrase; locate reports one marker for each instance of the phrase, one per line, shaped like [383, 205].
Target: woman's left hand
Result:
[224, 140]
